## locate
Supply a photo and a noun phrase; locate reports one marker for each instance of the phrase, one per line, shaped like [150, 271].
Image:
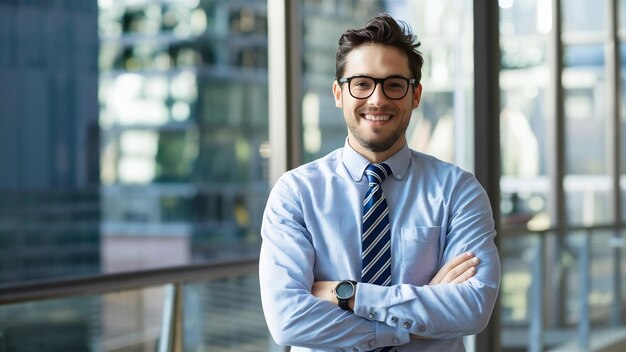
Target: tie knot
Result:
[376, 173]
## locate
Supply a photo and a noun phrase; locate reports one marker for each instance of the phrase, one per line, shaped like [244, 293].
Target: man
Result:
[376, 246]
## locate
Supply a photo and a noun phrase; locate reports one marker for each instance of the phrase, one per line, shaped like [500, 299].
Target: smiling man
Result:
[376, 246]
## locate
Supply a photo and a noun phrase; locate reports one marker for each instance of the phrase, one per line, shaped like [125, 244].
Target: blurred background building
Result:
[136, 142]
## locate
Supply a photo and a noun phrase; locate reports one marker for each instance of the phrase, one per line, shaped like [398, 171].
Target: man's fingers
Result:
[460, 270]
[455, 268]
[464, 276]
[447, 267]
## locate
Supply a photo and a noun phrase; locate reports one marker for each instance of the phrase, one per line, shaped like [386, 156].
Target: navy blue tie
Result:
[376, 236]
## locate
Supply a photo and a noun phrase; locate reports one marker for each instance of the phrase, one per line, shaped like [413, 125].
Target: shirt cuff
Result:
[370, 304]
[390, 336]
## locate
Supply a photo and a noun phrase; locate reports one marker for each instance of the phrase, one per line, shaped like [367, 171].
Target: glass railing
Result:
[208, 307]
[562, 290]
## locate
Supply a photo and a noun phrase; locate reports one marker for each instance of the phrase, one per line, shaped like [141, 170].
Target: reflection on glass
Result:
[225, 315]
[524, 182]
[123, 321]
[518, 253]
[49, 142]
[587, 183]
[183, 112]
[584, 16]
[621, 15]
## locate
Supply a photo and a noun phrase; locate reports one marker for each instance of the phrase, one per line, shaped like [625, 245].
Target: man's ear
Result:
[337, 94]
[417, 95]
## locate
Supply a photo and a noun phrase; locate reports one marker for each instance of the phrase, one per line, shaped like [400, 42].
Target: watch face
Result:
[345, 290]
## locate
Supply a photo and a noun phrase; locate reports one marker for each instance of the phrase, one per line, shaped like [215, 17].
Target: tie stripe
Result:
[376, 237]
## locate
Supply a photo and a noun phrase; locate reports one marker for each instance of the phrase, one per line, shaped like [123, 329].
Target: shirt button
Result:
[395, 340]
[406, 325]
[371, 343]
[371, 316]
[421, 328]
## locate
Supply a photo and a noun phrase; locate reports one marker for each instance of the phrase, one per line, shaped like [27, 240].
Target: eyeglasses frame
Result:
[410, 81]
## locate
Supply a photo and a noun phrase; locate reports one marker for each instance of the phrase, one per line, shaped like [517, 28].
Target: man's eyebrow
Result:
[369, 75]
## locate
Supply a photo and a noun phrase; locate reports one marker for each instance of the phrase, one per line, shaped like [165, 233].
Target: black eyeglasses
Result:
[362, 87]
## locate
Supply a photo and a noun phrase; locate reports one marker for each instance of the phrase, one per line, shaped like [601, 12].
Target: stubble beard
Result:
[377, 146]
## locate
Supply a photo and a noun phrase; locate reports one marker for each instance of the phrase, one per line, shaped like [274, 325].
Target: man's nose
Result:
[378, 96]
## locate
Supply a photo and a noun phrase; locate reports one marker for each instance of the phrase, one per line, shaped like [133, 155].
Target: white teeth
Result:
[377, 117]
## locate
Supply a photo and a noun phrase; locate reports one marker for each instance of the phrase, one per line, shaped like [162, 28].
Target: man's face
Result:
[376, 125]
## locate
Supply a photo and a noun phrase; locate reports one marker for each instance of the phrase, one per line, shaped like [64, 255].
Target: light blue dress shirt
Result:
[311, 232]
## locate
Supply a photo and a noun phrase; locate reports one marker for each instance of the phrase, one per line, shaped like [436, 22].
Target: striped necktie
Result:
[376, 239]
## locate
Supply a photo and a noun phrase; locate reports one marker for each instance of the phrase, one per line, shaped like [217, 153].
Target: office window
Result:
[183, 113]
[558, 258]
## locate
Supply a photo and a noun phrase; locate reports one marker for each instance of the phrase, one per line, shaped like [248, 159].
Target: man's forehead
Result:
[376, 59]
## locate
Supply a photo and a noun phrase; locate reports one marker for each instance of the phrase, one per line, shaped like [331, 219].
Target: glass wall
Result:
[132, 136]
[524, 118]
[49, 141]
[587, 182]
[561, 256]
[183, 113]
[219, 315]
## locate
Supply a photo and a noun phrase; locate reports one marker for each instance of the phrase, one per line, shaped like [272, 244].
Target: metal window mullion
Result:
[171, 338]
[556, 165]
[613, 133]
[537, 303]
[584, 324]
[487, 131]
[284, 76]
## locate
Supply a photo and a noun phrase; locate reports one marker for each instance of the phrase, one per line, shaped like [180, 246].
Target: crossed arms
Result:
[301, 309]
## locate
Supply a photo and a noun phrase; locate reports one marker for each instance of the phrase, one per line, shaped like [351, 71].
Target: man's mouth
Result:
[370, 117]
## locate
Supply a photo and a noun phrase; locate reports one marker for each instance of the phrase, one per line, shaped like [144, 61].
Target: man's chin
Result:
[377, 146]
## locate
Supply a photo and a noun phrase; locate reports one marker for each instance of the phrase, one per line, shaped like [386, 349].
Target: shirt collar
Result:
[356, 163]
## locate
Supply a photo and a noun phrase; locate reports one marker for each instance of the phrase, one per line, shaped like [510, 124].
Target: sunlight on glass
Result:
[180, 111]
[544, 16]
[311, 123]
[506, 4]
[104, 4]
[156, 87]
[198, 21]
[183, 86]
[134, 169]
[142, 143]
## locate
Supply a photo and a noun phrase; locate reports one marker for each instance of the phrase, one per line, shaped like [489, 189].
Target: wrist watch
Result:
[344, 291]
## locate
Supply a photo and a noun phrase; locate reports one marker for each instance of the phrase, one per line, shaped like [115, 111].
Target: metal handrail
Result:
[111, 282]
[523, 230]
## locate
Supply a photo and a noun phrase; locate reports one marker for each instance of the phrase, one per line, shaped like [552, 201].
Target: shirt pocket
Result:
[420, 250]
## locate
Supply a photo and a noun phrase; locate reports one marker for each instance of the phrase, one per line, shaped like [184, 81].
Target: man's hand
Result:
[457, 270]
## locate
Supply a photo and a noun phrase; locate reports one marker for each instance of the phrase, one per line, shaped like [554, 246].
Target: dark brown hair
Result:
[382, 29]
